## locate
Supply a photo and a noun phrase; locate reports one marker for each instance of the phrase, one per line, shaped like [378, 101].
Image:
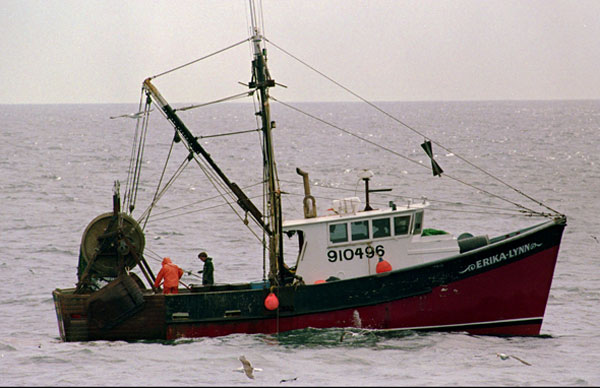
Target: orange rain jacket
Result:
[170, 272]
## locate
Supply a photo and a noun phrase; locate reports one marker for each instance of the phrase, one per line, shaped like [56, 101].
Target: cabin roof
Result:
[407, 209]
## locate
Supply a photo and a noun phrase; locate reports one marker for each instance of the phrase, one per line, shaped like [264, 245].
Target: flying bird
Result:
[247, 367]
[353, 334]
[506, 356]
[130, 115]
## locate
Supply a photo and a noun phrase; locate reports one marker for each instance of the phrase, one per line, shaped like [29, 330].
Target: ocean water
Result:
[59, 164]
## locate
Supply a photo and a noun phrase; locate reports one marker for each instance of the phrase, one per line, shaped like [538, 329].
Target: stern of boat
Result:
[118, 311]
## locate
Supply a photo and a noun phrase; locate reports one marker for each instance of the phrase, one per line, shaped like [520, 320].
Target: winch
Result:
[112, 244]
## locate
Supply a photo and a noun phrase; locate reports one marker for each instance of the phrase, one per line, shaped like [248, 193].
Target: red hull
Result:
[509, 300]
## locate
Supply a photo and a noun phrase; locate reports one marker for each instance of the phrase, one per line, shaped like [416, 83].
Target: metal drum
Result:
[104, 241]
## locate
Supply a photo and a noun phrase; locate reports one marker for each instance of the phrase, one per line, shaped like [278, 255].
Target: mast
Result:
[261, 81]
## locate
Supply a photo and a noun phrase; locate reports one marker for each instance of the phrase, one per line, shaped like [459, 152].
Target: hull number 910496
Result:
[351, 253]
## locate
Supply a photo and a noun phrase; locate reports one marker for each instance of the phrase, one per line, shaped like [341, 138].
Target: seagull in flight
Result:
[131, 115]
[247, 367]
[506, 356]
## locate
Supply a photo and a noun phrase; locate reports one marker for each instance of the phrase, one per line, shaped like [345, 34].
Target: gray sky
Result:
[100, 51]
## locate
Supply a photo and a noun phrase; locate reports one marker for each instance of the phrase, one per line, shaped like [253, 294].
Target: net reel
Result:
[111, 245]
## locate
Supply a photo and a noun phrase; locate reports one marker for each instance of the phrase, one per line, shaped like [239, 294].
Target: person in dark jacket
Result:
[208, 270]
[171, 274]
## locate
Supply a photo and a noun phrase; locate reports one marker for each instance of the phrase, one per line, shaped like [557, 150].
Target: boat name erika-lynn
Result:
[513, 253]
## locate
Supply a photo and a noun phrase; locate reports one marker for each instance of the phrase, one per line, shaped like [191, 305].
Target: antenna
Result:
[365, 175]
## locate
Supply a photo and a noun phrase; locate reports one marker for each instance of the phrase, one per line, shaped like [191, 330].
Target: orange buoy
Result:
[383, 266]
[271, 302]
[319, 281]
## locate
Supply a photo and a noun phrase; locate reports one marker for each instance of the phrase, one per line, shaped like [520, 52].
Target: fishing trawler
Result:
[357, 265]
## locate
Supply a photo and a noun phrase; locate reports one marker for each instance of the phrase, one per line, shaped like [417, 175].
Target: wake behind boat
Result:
[358, 264]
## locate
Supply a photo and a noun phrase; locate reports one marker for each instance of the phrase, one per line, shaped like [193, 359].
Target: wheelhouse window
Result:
[401, 225]
[360, 230]
[338, 233]
[418, 222]
[381, 228]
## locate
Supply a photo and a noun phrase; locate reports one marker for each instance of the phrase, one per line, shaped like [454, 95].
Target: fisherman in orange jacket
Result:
[171, 273]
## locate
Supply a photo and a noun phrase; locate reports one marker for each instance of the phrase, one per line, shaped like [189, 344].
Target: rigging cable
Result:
[218, 183]
[234, 97]
[212, 178]
[207, 172]
[138, 151]
[158, 193]
[200, 59]
[165, 216]
[129, 183]
[158, 258]
[423, 135]
[400, 155]
[499, 210]
[229, 133]
[189, 205]
[400, 196]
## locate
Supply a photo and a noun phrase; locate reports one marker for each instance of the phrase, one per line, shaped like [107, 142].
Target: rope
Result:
[198, 202]
[348, 132]
[200, 59]
[407, 197]
[158, 258]
[209, 173]
[402, 156]
[162, 216]
[234, 97]
[423, 135]
[146, 214]
[211, 177]
[216, 183]
[126, 199]
[229, 133]
[137, 155]
[159, 195]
